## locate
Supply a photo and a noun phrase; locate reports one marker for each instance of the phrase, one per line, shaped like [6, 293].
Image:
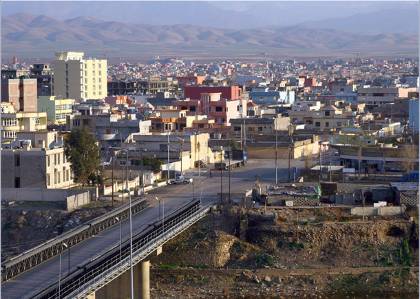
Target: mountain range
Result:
[29, 35]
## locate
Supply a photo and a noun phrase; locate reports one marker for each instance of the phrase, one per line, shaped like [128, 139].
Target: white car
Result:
[181, 180]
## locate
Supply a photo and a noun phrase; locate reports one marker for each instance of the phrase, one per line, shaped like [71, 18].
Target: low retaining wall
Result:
[377, 211]
[70, 198]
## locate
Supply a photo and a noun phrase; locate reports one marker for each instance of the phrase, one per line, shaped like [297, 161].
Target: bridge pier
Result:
[145, 280]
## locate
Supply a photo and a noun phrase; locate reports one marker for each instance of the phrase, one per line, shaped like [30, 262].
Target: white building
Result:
[79, 78]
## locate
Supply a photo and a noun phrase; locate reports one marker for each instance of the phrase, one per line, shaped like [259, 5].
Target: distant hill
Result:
[403, 20]
[30, 36]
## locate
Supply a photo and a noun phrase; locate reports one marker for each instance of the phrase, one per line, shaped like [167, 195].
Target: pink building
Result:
[212, 105]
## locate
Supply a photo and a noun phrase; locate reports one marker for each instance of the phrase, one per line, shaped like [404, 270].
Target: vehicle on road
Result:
[180, 180]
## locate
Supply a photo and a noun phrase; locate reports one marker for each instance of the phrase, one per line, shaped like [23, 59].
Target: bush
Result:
[264, 259]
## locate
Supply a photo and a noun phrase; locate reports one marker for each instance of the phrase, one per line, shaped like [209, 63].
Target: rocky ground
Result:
[290, 252]
[25, 225]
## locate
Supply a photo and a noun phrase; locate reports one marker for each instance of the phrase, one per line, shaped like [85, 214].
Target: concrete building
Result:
[79, 78]
[258, 126]
[376, 96]
[44, 76]
[36, 160]
[190, 148]
[215, 107]
[226, 92]
[56, 109]
[414, 115]
[327, 118]
[21, 93]
[14, 122]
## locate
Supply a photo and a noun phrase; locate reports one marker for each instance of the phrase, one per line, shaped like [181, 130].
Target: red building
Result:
[228, 92]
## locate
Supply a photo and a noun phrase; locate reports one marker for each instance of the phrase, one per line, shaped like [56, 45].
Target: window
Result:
[48, 161]
[260, 129]
[327, 124]
[192, 108]
[17, 182]
[327, 113]
[219, 109]
[317, 124]
[236, 129]
[48, 180]
[339, 124]
[17, 160]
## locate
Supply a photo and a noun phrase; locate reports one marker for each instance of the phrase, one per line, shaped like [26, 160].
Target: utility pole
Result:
[167, 173]
[221, 175]
[320, 162]
[291, 145]
[276, 158]
[112, 180]
[230, 151]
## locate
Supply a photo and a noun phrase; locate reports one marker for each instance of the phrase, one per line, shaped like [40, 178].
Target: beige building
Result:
[13, 122]
[56, 109]
[79, 78]
[36, 160]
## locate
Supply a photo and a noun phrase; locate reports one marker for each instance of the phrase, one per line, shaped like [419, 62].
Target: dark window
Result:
[260, 129]
[327, 124]
[17, 182]
[219, 109]
[327, 113]
[192, 108]
[17, 160]
[236, 129]
[317, 124]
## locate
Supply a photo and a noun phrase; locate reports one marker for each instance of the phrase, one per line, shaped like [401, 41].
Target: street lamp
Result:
[221, 175]
[118, 219]
[163, 211]
[63, 245]
[131, 224]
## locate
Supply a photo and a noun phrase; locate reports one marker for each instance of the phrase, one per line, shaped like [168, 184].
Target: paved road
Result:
[171, 197]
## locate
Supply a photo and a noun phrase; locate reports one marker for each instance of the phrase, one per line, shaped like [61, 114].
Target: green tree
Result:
[82, 151]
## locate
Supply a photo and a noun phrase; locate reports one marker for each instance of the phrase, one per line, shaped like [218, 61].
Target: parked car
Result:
[181, 180]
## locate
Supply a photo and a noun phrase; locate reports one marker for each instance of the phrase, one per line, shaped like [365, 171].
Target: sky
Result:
[235, 15]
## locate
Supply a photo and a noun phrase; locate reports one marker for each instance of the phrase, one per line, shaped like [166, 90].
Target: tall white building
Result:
[79, 78]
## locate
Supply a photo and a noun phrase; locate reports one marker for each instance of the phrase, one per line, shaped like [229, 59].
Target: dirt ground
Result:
[290, 253]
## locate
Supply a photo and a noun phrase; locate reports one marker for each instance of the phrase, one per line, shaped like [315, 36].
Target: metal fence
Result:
[98, 272]
[35, 256]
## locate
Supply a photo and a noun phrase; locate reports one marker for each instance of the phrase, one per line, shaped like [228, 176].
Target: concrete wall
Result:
[71, 199]
[379, 211]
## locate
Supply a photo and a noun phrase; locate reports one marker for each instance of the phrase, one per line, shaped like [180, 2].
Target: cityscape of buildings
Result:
[272, 143]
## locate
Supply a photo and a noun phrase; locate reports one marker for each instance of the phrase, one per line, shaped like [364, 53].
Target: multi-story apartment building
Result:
[79, 78]
[258, 126]
[211, 104]
[56, 109]
[44, 76]
[226, 92]
[36, 160]
[21, 92]
[13, 122]
[376, 96]
[327, 118]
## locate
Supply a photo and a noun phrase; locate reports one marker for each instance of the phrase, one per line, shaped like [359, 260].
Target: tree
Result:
[82, 151]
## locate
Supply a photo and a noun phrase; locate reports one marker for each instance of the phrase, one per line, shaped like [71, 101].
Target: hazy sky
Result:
[235, 15]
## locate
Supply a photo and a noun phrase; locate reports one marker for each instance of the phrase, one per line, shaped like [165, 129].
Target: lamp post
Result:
[229, 153]
[276, 158]
[131, 225]
[118, 219]
[163, 210]
[63, 245]
[167, 173]
[221, 174]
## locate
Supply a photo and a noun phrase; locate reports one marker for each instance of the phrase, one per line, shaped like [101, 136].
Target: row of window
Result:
[58, 178]
[56, 159]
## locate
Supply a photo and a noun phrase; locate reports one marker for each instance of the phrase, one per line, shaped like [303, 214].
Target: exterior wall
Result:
[35, 168]
[78, 78]
[12, 123]
[228, 92]
[414, 115]
[56, 109]
[22, 93]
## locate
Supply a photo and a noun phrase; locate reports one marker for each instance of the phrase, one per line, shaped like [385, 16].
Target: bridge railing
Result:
[100, 270]
[35, 256]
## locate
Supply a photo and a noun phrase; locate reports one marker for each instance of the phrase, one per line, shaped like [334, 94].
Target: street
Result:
[171, 197]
